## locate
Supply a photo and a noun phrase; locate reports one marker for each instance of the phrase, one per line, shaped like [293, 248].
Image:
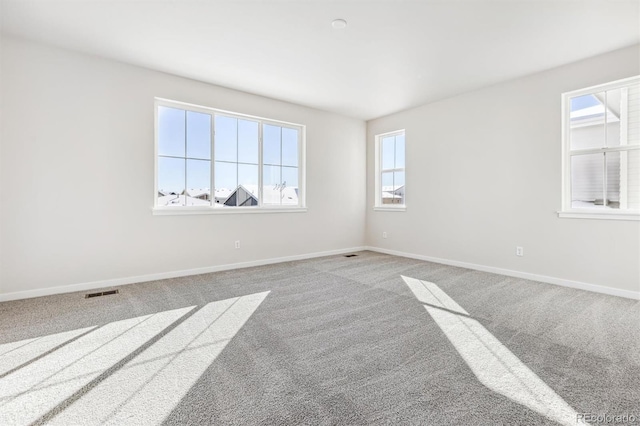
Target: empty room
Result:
[319, 212]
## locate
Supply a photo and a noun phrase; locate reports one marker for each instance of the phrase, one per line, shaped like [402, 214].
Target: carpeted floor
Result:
[371, 339]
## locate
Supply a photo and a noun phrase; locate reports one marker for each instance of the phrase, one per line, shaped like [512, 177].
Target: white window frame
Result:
[378, 206]
[216, 209]
[567, 210]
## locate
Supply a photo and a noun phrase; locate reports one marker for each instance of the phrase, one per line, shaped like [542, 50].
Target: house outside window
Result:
[601, 151]
[390, 171]
[209, 160]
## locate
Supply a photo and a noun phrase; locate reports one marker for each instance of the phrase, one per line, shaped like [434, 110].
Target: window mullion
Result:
[606, 116]
[604, 182]
[281, 183]
[301, 196]
[212, 144]
[237, 158]
[380, 202]
[393, 173]
[260, 164]
[601, 150]
[400, 169]
[395, 142]
[185, 157]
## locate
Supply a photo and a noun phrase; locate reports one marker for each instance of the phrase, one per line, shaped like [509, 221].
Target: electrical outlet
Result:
[238, 244]
[519, 251]
[384, 235]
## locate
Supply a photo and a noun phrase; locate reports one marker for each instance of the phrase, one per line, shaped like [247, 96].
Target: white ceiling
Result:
[393, 54]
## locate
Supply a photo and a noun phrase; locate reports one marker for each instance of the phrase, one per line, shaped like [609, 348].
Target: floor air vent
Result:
[101, 293]
[350, 255]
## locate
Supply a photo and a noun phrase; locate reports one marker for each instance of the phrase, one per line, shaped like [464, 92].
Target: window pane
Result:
[399, 152]
[289, 147]
[290, 185]
[248, 179]
[587, 121]
[271, 175]
[387, 196]
[398, 187]
[613, 179]
[290, 177]
[198, 182]
[271, 144]
[633, 115]
[226, 179]
[387, 181]
[226, 139]
[623, 183]
[198, 135]
[614, 110]
[629, 179]
[587, 181]
[171, 181]
[171, 131]
[248, 141]
[271, 191]
[388, 152]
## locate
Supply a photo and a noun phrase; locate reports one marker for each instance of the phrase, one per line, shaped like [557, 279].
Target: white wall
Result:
[77, 176]
[1, 156]
[484, 176]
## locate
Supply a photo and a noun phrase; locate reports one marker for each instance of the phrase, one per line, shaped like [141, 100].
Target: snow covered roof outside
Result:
[197, 192]
[270, 195]
[181, 200]
[390, 195]
[222, 194]
[391, 188]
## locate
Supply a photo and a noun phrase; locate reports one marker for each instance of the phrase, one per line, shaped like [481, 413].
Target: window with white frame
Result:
[216, 160]
[601, 151]
[390, 170]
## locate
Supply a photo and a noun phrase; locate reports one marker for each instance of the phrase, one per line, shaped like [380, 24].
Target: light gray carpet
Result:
[331, 340]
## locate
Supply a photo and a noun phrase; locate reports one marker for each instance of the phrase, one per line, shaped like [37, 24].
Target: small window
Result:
[390, 171]
[210, 160]
[601, 151]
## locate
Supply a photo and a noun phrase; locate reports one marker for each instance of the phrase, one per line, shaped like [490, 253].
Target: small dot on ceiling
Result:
[339, 24]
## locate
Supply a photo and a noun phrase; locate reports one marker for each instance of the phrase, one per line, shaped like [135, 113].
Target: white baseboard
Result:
[163, 275]
[526, 275]
[186, 272]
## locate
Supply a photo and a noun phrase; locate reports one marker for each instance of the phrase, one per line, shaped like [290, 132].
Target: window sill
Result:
[584, 214]
[180, 211]
[390, 209]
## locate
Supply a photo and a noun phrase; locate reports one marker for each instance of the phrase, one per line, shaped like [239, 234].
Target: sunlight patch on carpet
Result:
[148, 388]
[493, 364]
[15, 354]
[133, 371]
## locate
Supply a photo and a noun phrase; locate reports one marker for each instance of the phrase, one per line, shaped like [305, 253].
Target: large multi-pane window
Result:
[390, 170]
[219, 160]
[601, 145]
